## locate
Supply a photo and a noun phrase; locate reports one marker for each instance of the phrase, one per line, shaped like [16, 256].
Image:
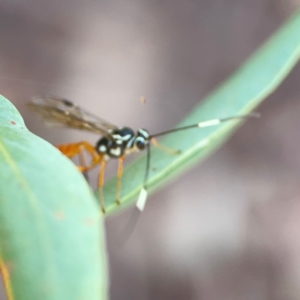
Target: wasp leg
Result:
[120, 173]
[168, 150]
[71, 150]
[100, 185]
[83, 162]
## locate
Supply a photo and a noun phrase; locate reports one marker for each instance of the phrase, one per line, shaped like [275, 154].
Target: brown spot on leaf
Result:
[89, 222]
[59, 215]
[13, 122]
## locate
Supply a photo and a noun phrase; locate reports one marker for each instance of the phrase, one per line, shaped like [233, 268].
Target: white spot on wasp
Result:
[209, 123]
[144, 133]
[102, 149]
[115, 151]
[130, 142]
[122, 138]
[140, 204]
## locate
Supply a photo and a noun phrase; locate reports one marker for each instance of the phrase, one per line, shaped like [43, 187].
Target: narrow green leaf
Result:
[51, 235]
[242, 93]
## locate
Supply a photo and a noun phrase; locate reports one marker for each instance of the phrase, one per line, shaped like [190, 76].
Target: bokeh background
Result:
[241, 240]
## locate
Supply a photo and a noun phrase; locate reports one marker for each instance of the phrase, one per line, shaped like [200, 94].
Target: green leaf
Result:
[51, 235]
[241, 94]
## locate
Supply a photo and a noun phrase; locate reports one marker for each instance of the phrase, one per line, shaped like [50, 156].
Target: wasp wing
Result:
[61, 112]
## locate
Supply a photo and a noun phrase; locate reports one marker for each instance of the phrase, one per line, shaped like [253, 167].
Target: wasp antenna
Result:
[218, 121]
[207, 123]
[129, 227]
[141, 202]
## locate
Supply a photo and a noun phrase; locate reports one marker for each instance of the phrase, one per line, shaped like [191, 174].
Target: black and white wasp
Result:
[114, 143]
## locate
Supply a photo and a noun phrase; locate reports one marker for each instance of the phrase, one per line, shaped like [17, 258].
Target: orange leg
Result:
[155, 143]
[71, 150]
[82, 157]
[120, 173]
[83, 162]
[100, 185]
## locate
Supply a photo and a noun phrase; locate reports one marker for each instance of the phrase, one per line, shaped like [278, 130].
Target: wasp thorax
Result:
[115, 144]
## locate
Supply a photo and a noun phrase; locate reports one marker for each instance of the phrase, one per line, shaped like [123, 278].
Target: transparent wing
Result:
[61, 112]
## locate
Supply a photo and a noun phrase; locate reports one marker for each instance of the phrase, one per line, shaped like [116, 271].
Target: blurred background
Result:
[239, 238]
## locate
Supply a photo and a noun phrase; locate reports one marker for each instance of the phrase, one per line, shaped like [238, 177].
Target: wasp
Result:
[114, 142]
